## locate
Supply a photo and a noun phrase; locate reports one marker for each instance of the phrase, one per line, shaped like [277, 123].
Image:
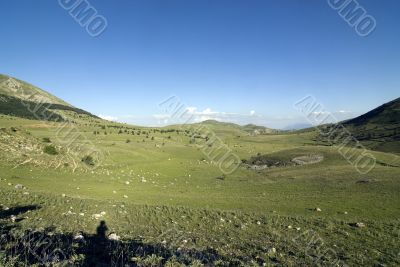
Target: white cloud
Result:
[107, 117]
[320, 112]
[191, 110]
[252, 112]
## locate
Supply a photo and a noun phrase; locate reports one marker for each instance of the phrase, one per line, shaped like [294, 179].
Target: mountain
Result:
[297, 126]
[386, 114]
[249, 128]
[378, 129]
[257, 130]
[20, 99]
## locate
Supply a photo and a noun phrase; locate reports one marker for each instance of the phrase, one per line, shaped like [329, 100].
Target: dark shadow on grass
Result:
[16, 211]
[46, 247]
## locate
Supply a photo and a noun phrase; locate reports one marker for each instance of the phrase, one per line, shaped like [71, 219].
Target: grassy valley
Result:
[293, 201]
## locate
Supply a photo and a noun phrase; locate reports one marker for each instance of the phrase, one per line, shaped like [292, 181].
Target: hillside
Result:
[24, 100]
[378, 129]
[249, 128]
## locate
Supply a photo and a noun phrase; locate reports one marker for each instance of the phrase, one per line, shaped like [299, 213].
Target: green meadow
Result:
[158, 186]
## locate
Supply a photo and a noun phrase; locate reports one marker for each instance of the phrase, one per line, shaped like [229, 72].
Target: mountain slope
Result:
[386, 114]
[20, 99]
[378, 129]
[19, 89]
[249, 128]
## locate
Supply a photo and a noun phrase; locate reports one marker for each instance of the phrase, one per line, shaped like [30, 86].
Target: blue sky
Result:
[240, 61]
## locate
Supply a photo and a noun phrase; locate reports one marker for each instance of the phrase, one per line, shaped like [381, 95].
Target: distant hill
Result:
[297, 126]
[378, 129]
[20, 99]
[257, 130]
[249, 128]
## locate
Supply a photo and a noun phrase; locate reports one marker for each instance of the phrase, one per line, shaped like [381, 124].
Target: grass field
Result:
[158, 187]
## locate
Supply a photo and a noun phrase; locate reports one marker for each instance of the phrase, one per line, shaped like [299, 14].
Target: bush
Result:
[51, 150]
[128, 141]
[46, 140]
[88, 160]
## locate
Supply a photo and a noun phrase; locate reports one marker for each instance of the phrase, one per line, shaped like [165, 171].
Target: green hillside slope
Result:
[20, 99]
[378, 129]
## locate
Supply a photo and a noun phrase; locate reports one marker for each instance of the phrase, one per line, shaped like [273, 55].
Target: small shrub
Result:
[88, 160]
[128, 141]
[46, 140]
[51, 150]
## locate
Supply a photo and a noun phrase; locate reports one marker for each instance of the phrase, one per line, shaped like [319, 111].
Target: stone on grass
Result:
[318, 210]
[79, 237]
[359, 225]
[19, 186]
[114, 237]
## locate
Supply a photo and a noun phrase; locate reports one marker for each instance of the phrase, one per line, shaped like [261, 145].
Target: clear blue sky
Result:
[224, 56]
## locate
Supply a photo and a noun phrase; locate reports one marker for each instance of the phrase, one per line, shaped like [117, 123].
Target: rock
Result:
[125, 196]
[289, 227]
[81, 214]
[359, 225]
[102, 213]
[63, 195]
[272, 250]
[19, 186]
[79, 237]
[13, 218]
[127, 183]
[97, 216]
[113, 237]
[318, 210]
[298, 228]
